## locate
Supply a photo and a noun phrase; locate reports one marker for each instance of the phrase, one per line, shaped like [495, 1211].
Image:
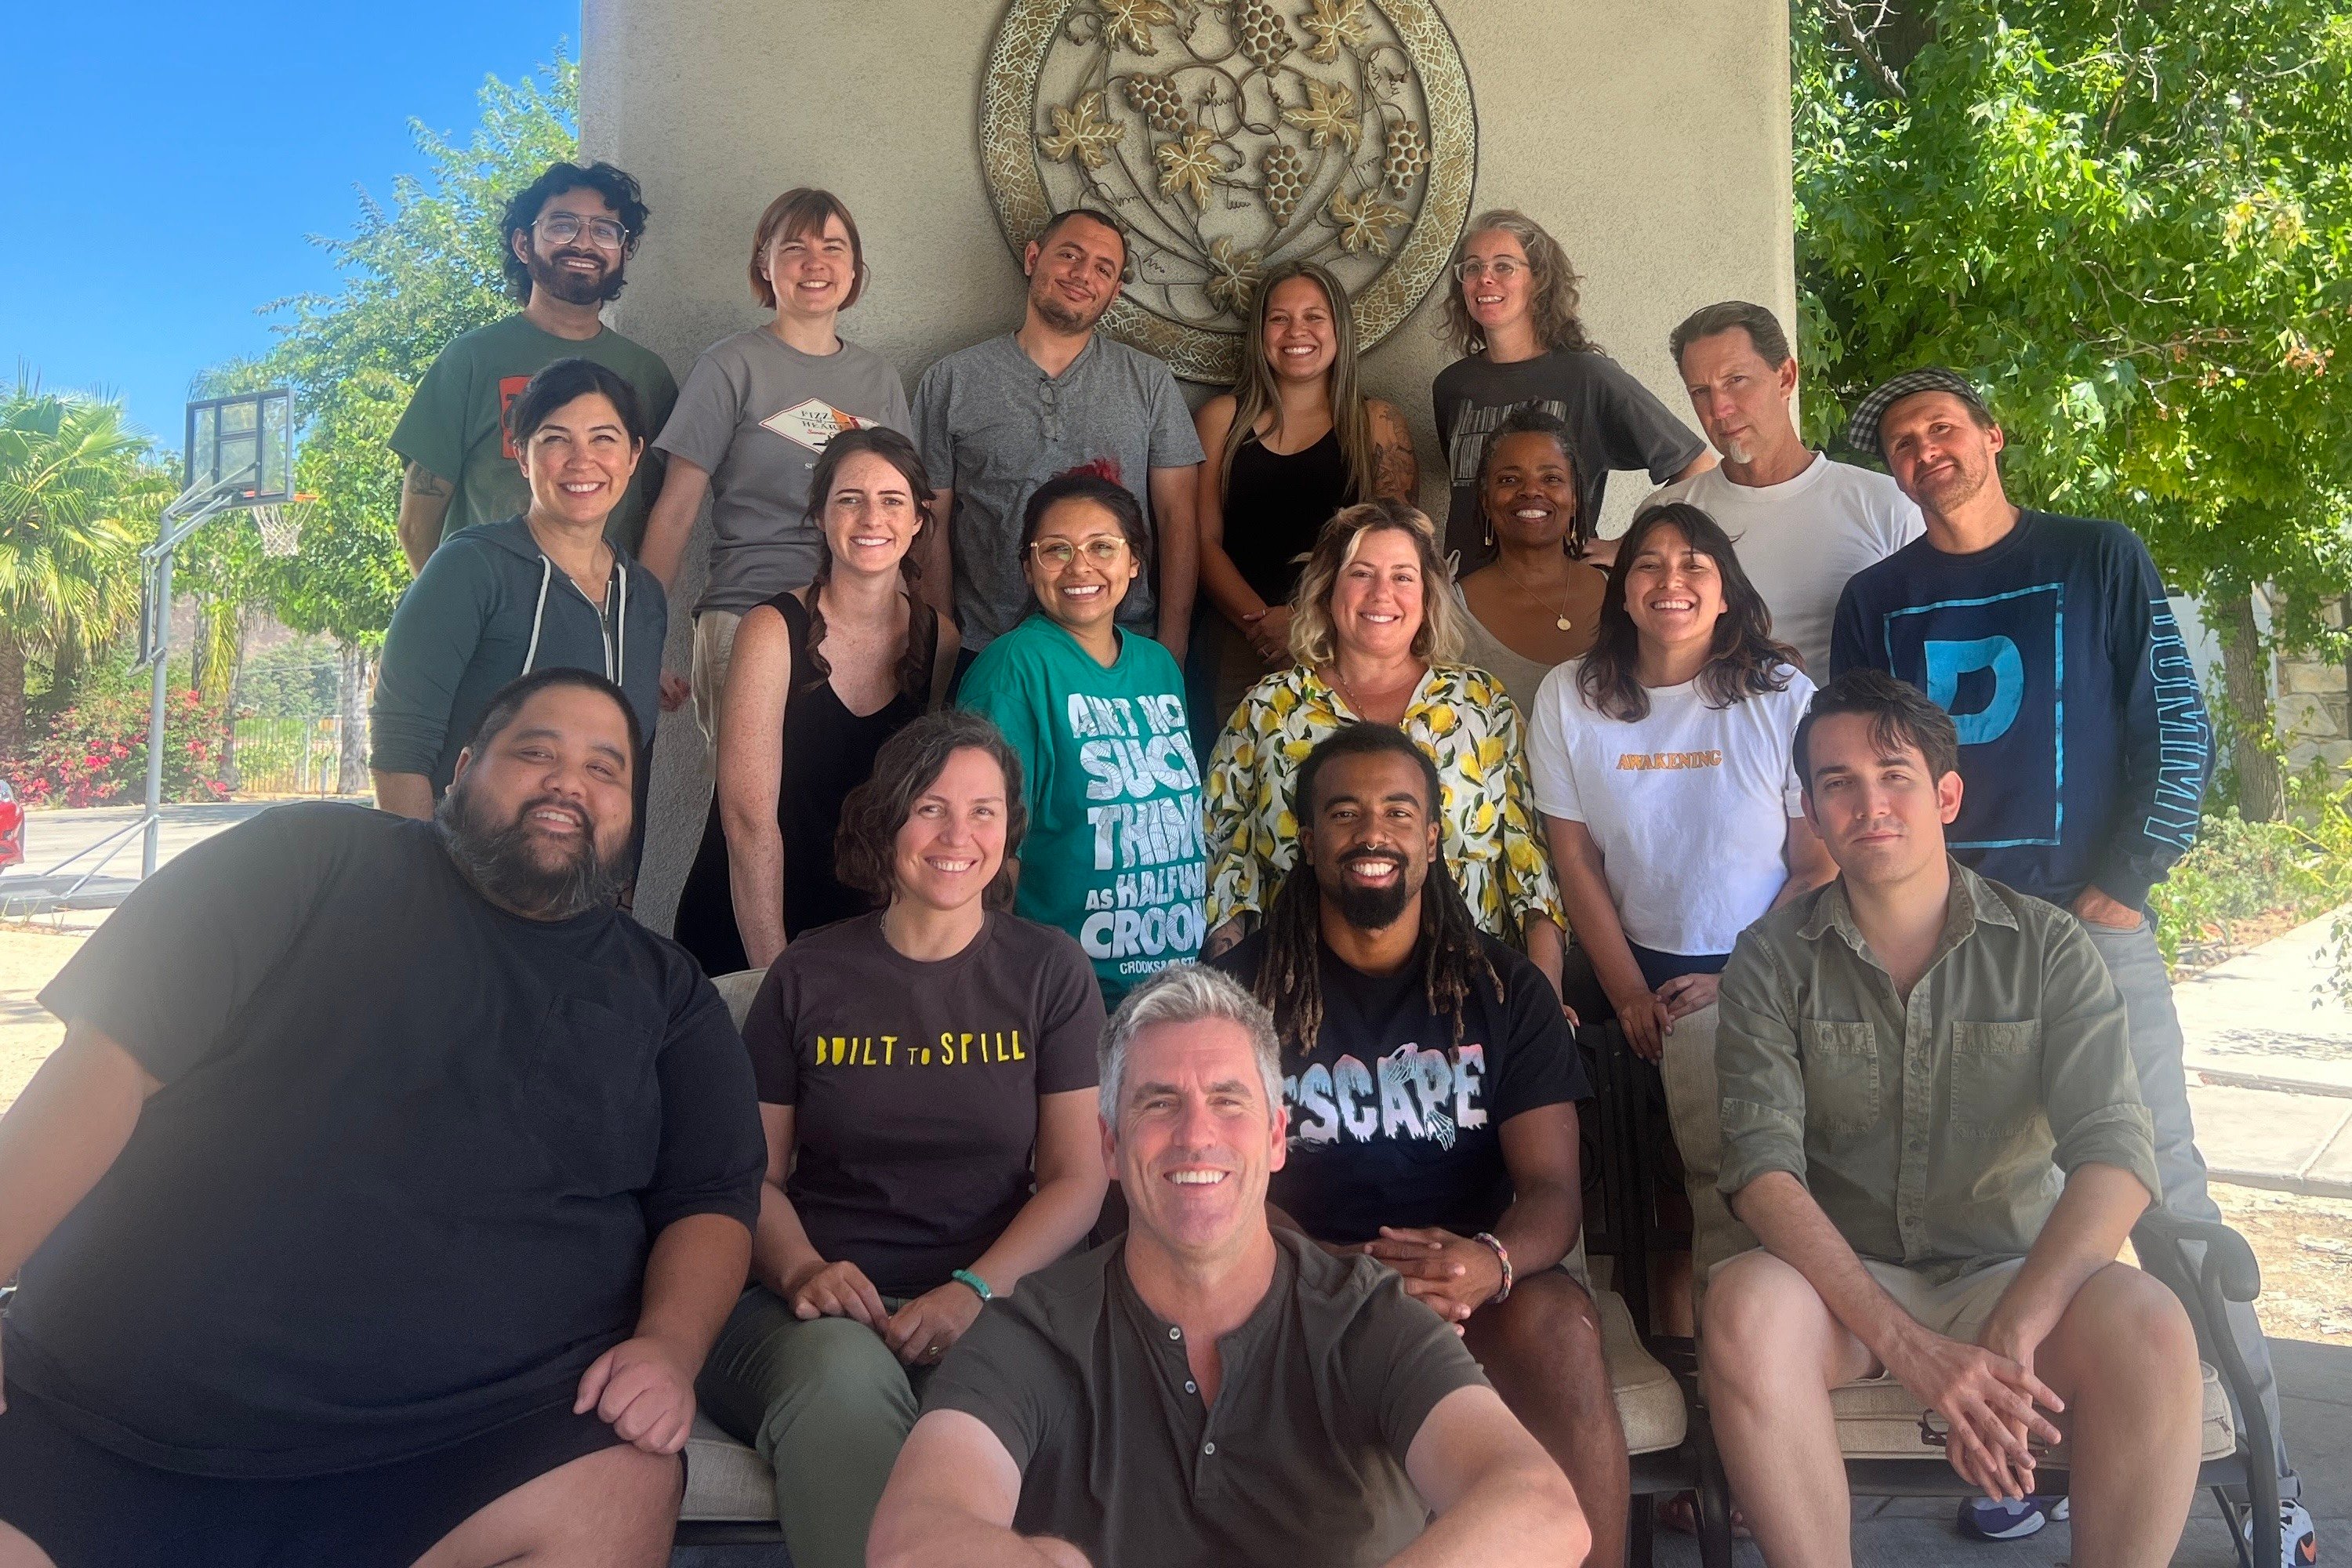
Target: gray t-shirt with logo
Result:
[993, 426]
[755, 414]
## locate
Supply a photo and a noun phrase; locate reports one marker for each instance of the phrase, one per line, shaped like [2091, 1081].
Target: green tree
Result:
[415, 274]
[77, 496]
[2132, 222]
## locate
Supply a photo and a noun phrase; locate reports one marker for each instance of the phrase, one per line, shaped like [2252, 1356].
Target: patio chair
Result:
[1881, 1428]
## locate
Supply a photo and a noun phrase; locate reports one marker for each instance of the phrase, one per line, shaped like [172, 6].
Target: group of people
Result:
[1124, 1158]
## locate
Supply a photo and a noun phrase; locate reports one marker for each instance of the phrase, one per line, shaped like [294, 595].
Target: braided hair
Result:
[915, 658]
[1290, 974]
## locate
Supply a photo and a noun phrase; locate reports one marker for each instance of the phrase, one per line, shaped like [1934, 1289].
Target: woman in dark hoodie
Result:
[539, 591]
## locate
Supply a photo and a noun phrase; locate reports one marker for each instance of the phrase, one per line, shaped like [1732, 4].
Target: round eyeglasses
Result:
[1103, 550]
[562, 228]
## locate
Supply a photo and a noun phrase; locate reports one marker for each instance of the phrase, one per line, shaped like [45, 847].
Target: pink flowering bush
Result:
[95, 753]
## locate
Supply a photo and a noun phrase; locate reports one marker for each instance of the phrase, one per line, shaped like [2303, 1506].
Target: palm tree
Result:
[72, 476]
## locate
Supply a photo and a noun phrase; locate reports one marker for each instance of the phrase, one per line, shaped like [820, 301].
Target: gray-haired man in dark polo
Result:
[1205, 1389]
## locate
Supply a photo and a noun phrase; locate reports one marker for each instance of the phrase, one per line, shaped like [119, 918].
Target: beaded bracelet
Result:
[1502, 1256]
[979, 1287]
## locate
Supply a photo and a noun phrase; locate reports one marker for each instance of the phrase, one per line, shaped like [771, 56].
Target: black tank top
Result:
[828, 751]
[1275, 505]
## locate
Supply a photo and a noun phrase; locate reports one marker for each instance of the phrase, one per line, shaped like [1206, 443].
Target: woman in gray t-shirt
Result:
[755, 413]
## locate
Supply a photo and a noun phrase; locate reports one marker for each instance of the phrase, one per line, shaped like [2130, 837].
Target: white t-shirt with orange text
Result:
[1689, 806]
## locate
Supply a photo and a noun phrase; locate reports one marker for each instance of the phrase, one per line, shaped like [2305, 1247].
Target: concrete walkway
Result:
[100, 837]
[2269, 1053]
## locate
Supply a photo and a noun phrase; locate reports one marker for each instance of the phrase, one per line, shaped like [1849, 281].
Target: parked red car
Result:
[12, 827]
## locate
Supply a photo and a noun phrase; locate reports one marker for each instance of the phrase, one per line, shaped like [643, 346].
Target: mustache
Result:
[1359, 857]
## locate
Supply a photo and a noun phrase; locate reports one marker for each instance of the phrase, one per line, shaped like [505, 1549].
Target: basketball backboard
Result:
[246, 441]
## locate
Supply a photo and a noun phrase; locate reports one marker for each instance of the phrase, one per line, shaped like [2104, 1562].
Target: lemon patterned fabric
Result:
[1460, 715]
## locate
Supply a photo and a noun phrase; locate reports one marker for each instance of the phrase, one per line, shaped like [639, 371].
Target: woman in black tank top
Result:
[1292, 443]
[820, 678]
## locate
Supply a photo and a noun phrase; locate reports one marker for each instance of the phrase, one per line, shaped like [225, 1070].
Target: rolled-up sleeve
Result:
[2090, 1088]
[1757, 1073]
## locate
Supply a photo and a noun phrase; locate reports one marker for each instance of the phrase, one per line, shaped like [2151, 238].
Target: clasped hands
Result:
[918, 1333]
[1991, 1399]
[1648, 1017]
[1453, 1275]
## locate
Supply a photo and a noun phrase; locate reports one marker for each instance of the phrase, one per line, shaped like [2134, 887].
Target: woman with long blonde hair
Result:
[1377, 635]
[1293, 442]
[1512, 315]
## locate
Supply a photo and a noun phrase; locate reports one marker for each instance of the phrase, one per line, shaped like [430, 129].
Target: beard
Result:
[576, 288]
[502, 862]
[1058, 312]
[1372, 909]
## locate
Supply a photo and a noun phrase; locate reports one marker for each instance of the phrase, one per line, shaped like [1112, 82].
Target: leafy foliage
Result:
[2241, 871]
[2133, 223]
[415, 274]
[95, 753]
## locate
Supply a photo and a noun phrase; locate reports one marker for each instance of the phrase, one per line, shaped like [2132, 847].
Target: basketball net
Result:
[280, 523]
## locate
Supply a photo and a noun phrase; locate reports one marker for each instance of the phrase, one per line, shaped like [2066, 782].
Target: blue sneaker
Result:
[1987, 1519]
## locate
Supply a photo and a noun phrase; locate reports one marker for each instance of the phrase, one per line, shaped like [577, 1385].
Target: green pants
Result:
[827, 1404]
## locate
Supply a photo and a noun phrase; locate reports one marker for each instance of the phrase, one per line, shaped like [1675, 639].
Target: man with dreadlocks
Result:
[1431, 1080]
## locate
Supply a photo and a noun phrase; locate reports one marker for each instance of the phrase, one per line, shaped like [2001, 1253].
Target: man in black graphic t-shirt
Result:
[1431, 1080]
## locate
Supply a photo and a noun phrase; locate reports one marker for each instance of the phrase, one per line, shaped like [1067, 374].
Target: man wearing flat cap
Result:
[2085, 745]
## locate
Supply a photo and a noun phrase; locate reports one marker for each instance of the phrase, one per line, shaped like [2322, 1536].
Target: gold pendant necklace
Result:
[1559, 612]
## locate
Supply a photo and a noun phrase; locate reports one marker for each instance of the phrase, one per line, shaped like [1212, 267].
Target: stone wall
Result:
[1651, 135]
[2311, 710]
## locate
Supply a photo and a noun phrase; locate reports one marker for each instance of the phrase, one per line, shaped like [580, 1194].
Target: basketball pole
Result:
[197, 506]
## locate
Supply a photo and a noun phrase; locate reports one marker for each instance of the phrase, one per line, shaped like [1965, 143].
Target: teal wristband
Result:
[978, 1286]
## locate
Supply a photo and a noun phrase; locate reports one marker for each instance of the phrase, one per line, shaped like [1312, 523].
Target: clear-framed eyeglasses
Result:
[562, 228]
[1502, 268]
[1104, 551]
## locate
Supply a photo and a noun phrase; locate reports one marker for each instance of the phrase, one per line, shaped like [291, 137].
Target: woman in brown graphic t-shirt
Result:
[926, 1076]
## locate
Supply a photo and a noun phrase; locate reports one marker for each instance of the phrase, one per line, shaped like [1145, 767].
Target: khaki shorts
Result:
[1957, 1309]
[714, 645]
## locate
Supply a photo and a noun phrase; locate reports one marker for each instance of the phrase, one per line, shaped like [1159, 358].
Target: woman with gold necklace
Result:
[1538, 602]
[1378, 638]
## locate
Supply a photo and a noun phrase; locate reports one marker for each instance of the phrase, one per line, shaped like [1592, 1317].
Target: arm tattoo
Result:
[424, 482]
[1395, 470]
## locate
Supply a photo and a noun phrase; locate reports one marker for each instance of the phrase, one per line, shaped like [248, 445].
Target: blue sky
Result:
[171, 158]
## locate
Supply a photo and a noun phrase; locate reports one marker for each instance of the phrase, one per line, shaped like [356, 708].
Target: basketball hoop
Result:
[280, 523]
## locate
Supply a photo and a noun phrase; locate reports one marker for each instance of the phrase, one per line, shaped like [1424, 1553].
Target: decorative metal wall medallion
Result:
[1229, 136]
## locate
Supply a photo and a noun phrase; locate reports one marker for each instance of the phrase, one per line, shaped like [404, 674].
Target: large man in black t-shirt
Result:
[387, 1193]
[1431, 1080]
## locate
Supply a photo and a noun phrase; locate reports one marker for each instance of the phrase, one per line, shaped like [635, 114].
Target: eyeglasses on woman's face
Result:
[1502, 268]
[1103, 551]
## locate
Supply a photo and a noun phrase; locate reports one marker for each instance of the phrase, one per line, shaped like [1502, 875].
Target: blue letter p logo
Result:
[1947, 661]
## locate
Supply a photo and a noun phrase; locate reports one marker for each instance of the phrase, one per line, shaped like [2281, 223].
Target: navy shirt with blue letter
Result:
[2084, 746]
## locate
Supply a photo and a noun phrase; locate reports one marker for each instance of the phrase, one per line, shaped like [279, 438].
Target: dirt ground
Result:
[2304, 1243]
[29, 955]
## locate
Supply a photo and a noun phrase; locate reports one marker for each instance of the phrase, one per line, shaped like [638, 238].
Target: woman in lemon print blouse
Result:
[1377, 636]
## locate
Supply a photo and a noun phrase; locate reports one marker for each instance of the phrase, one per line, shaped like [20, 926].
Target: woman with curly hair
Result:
[926, 1076]
[1377, 635]
[1663, 769]
[1512, 316]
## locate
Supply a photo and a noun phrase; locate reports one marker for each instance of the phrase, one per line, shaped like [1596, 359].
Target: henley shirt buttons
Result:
[1191, 1387]
[1175, 1333]
[1208, 1449]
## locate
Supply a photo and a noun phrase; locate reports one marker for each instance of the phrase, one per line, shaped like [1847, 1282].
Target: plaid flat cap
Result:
[1862, 430]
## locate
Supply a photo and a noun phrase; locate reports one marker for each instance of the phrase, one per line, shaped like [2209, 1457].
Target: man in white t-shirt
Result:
[1802, 523]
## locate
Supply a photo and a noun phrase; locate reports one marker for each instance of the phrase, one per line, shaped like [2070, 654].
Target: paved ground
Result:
[80, 841]
[2274, 1052]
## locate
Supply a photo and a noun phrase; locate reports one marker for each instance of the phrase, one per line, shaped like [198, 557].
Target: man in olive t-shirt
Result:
[569, 235]
[1201, 1390]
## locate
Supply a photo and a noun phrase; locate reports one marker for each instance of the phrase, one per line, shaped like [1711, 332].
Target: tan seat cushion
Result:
[1649, 1401]
[724, 1479]
[737, 990]
[1877, 1419]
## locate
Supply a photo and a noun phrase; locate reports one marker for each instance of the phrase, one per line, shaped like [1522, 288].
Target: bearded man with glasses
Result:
[569, 237]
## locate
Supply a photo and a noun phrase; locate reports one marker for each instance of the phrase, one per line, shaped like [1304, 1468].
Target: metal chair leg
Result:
[1714, 1495]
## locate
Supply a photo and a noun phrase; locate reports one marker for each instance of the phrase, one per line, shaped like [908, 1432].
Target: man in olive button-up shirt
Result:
[1932, 1123]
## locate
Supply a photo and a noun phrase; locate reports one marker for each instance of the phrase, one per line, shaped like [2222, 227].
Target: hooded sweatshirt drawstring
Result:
[616, 647]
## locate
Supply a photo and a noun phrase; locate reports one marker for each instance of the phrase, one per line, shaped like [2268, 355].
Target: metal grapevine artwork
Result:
[1230, 136]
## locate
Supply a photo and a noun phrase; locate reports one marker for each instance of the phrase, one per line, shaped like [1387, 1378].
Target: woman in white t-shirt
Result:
[1661, 762]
